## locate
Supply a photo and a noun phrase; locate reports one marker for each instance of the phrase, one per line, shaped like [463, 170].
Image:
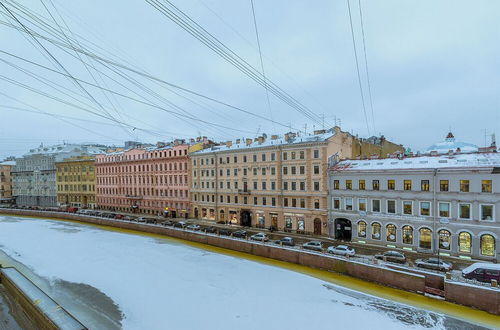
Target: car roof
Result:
[343, 246]
[481, 265]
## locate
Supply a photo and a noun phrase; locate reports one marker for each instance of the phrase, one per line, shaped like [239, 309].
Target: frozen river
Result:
[111, 280]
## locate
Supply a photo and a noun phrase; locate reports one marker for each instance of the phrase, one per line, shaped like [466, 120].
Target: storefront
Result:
[261, 219]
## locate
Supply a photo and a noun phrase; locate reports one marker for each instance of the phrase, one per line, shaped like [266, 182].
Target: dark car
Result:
[119, 216]
[285, 241]
[151, 220]
[180, 224]
[110, 215]
[167, 223]
[210, 230]
[240, 234]
[482, 271]
[392, 256]
[433, 263]
[224, 232]
[313, 245]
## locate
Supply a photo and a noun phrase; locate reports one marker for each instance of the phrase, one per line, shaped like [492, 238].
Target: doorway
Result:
[246, 218]
[343, 229]
[317, 226]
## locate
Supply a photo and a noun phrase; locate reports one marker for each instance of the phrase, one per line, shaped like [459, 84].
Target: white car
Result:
[193, 227]
[342, 250]
[260, 237]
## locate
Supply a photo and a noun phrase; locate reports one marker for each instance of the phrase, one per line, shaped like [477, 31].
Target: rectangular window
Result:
[254, 157]
[285, 156]
[254, 171]
[391, 184]
[316, 186]
[361, 185]
[375, 185]
[263, 157]
[255, 201]
[302, 186]
[273, 185]
[292, 154]
[235, 159]
[316, 153]
[263, 171]
[487, 211]
[301, 154]
[264, 185]
[285, 170]
[255, 185]
[285, 185]
[407, 184]
[391, 206]
[348, 204]
[443, 185]
[376, 205]
[294, 202]
[316, 169]
[336, 203]
[273, 170]
[464, 185]
[285, 202]
[264, 201]
[425, 209]
[444, 210]
[293, 170]
[294, 185]
[336, 185]
[424, 185]
[348, 184]
[273, 201]
[362, 204]
[302, 203]
[486, 186]
[244, 159]
[408, 207]
[302, 170]
[464, 211]
[273, 156]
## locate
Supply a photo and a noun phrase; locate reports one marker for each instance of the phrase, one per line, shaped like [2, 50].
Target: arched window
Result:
[391, 233]
[425, 239]
[407, 235]
[444, 239]
[375, 230]
[464, 242]
[361, 229]
[487, 245]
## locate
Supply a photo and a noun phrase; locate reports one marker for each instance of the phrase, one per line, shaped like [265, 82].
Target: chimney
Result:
[261, 139]
[229, 144]
[274, 137]
[289, 136]
[248, 141]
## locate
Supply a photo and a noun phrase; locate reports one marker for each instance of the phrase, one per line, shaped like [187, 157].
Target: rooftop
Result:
[63, 148]
[450, 143]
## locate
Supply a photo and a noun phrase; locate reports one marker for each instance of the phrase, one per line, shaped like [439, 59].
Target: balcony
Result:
[243, 191]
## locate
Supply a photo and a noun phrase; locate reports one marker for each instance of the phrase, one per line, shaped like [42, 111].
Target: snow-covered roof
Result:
[268, 142]
[423, 162]
[8, 163]
[450, 143]
[65, 148]
[476, 265]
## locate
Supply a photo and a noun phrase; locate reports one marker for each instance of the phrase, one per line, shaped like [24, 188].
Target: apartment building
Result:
[75, 181]
[151, 180]
[444, 203]
[278, 182]
[6, 182]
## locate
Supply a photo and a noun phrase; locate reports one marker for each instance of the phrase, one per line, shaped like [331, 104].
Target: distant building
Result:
[151, 180]
[34, 175]
[451, 144]
[445, 202]
[75, 181]
[6, 182]
[276, 181]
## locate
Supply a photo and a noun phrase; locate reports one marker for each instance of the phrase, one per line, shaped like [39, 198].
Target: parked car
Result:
[285, 241]
[240, 234]
[167, 223]
[260, 237]
[224, 232]
[482, 271]
[72, 209]
[433, 263]
[210, 229]
[141, 219]
[128, 218]
[151, 220]
[119, 216]
[221, 222]
[313, 245]
[342, 250]
[392, 256]
[193, 226]
[180, 224]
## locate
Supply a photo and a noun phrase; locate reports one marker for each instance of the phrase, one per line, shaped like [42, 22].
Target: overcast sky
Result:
[434, 66]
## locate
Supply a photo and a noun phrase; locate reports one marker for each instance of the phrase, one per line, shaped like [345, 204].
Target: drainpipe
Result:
[436, 210]
[216, 189]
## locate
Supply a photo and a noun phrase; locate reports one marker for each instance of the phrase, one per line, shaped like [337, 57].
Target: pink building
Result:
[144, 180]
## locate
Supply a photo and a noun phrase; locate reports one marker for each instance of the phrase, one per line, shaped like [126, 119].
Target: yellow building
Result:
[75, 180]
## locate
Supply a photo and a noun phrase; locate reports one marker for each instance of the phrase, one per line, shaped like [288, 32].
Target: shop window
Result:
[407, 235]
[487, 245]
[300, 224]
[464, 242]
[391, 233]
[425, 238]
[375, 230]
[361, 229]
[288, 223]
[444, 239]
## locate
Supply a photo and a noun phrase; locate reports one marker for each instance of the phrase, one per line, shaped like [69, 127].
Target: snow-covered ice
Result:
[163, 284]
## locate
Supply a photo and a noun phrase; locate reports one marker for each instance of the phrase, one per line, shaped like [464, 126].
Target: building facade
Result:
[75, 181]
[6, 182]
[152, 180]
[34, 175]
[279, 182]
[446, 204]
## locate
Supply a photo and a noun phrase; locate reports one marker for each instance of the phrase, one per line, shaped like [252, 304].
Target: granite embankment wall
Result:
[396, 277]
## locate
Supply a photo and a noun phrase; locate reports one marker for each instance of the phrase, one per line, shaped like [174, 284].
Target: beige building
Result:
[6, 182]
[75, 181]
[278, 182]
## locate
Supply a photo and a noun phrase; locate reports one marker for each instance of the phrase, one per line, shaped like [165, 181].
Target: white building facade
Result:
[446, 204]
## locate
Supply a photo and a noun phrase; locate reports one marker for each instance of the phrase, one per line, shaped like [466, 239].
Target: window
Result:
[273, 201]
[316, 203]
[487, 245]
[375, 185]
[425, 209]
[362, 204]
[464, 185]
[391, 184]
[348, 203]
[375, 230]
[391, 233]
[464, 242]
[391, 206]
[285, 202]
[316, 153]
[255, 185]
[425, 239]
[444, 239]
[302, 186]
[348, 184]
[273, 170]
[336, 203]
[294, 185]
[303, 203]
[255, 201]
[376, 205]
[464, 211]
[244, 159]
[407, 184]
[273, 156]
[301, 154]
[336, 185]
[302, 170]
[264, 201]
[235, 159]
[486, 186]
[264, 185]
[486, 212]
[263, 171]
[361, 229]
[285, 170]
[263, 157]
[361, 185]
[316, 186]
[294, 170]
[316, 169]
[444, 210]
[294, 202]
[424, 185]
[273, 185]
[407, 235]
[293, 154]
[443, 185]
[285, 156]
[408, 207]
